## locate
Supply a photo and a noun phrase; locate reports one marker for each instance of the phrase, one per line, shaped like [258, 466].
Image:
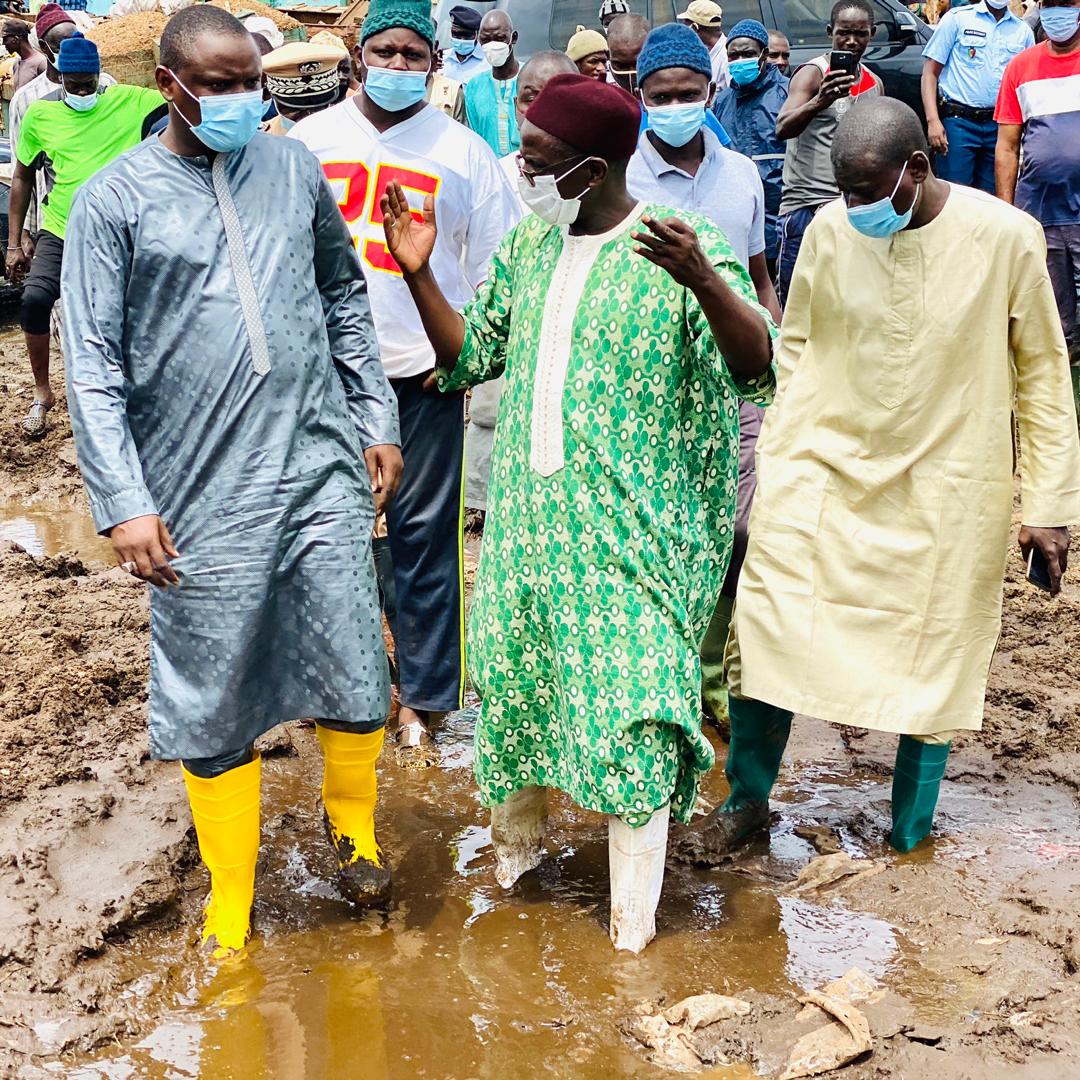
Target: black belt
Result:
[947, 107]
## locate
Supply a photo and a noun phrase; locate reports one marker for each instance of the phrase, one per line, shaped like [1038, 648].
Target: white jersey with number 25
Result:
[428, 154]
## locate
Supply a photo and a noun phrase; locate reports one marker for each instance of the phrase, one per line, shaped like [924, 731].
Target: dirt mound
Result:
[42, 469]
[93, 837]
[73, 668]
[1033, 697]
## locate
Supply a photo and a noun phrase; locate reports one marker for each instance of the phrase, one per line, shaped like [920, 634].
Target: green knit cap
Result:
[411, 14]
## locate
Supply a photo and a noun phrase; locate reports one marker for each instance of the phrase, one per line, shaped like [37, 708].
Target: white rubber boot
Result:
[636, 861]
[517, 834]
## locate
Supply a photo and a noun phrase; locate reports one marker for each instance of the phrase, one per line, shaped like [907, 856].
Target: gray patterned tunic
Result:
[223, 372]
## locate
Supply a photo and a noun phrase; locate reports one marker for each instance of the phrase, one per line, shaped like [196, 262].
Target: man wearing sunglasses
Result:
[627, 337]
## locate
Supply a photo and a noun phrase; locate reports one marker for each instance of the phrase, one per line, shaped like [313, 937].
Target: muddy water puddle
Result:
[47, 530]
[464, 980]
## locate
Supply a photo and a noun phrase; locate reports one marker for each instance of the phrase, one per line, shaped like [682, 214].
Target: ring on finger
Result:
[130, 568]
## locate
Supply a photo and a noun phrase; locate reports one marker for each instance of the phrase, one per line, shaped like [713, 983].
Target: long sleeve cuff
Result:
[110, 510]
[1049, 510]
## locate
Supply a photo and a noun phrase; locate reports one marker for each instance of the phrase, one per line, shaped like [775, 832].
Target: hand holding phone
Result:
[1038, 573]
[841, 60]
[1046, 552]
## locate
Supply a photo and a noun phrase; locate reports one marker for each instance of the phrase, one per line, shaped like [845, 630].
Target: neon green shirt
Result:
[78, 144]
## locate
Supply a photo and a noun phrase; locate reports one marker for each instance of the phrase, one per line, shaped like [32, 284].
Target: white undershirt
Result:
[579, 253]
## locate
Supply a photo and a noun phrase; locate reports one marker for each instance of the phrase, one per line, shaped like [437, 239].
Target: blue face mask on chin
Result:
[229, 121]
[879, 220]
[744, 72]
[463, 46]
[676, 124]
[80, 102]
[1059, 23]
[395, 91]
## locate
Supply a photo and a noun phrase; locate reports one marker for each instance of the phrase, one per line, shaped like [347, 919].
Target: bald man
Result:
[484, 402]
[626, 35]
[489, 98]
[871, 592]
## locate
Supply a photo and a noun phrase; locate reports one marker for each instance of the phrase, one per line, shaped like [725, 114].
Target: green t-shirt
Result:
[80, 143]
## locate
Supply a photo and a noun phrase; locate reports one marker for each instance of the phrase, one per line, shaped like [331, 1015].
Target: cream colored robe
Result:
[871, 593]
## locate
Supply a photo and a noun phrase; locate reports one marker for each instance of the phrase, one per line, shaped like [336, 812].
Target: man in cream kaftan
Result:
[872, 587]
[612, 496]
[917, 322]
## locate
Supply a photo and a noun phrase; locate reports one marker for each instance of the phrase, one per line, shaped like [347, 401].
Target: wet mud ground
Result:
[975, 936]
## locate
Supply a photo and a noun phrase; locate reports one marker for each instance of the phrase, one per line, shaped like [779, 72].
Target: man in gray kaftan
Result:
[223, 374]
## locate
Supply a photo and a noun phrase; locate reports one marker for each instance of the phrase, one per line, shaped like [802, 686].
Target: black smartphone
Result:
[1038, 573]
[839, 60]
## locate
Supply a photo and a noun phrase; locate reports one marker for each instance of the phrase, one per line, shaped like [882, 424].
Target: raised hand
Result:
[410, 241]
[674, 247]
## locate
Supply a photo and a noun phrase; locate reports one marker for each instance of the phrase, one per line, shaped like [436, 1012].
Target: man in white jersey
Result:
[388, 132]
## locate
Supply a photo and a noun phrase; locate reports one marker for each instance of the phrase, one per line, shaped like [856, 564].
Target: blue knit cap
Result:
[78, 56]
[669, 46]
[752, 29]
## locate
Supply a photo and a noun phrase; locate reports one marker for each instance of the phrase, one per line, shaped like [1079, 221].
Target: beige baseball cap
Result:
[703, 13]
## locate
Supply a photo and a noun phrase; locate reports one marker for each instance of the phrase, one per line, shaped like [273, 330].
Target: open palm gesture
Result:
[410, 241]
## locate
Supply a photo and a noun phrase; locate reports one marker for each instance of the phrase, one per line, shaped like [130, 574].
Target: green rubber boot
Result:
[759, 734]
[714, 695]
[916, 782]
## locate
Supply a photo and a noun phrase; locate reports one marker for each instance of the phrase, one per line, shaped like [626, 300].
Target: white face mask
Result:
[543, 199]
[997, 5]
[496, 53]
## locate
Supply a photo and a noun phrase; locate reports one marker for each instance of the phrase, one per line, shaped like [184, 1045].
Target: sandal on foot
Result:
[33, 422]
[416, 749]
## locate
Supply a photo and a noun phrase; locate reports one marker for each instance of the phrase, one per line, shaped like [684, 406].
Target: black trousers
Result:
[424, 527]
[210, 768]
[41, 289]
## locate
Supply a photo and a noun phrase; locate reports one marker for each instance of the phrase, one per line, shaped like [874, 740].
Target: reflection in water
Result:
[825, 942]
[464, 979]
[44, 530]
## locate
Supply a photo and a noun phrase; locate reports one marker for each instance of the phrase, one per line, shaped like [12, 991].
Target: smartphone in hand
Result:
[840, 60]
[1038, 573]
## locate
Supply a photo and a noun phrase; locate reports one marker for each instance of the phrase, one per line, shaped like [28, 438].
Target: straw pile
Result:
[128, 46]
[249, 7]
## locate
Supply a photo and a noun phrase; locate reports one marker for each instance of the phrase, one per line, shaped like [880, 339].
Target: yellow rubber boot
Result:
[226, 814]
[349, 794]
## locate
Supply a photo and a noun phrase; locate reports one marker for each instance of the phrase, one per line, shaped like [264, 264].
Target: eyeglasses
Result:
[530, 176]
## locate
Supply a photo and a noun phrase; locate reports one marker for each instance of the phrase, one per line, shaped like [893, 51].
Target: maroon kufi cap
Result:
[593, 117]
[48, 17]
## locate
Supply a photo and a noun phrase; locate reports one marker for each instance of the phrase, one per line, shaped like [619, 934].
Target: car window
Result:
[734, 11]
[567, 16]
[807, 19]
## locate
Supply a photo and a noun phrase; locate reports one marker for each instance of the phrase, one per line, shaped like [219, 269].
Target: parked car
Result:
[895, 53]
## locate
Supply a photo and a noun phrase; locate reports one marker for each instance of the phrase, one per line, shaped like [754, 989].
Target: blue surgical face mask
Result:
[744, 72]
[1059, 23]
[463, 46]
[286, 123]
[229, 121]
[676, 124]
[879, 220]
[79, 102]
[395, 91]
